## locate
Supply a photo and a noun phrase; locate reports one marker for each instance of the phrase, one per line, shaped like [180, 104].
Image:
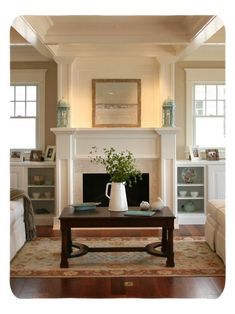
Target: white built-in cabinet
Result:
[37, 180]
[200, 181]
[216, 181]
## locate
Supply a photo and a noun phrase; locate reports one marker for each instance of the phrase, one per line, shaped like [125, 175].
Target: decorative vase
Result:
[117, 197]
[168, 113]
[63, 113]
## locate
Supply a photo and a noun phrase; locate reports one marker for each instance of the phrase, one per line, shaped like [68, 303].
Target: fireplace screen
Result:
[94, 189]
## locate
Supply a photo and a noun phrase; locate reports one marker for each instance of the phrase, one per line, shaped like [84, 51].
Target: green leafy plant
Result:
[120, 166]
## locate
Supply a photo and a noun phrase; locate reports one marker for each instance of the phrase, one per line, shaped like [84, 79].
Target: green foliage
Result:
[120, 166]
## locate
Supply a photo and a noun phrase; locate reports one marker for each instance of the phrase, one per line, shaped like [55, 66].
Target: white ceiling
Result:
[157, 36]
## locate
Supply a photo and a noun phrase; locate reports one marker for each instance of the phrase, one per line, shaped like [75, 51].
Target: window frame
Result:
[34, 77]
[193, 77]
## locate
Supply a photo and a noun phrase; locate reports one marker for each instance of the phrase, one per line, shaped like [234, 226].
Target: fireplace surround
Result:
[153, 148]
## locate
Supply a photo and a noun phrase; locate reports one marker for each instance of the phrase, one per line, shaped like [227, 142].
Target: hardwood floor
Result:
[129, 287]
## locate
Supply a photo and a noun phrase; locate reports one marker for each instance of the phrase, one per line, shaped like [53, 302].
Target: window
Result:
[205, 107]
[27, 109]
[209, 114]
[23, 123]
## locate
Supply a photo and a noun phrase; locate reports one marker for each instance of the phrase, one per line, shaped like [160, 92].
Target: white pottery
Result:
[144, 205]
[182, 193]
[117, 197]
[194, 193]
[158, 204]
[35, 194]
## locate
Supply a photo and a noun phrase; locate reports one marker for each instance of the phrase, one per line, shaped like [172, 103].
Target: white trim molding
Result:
[195, 76]
[28, 76]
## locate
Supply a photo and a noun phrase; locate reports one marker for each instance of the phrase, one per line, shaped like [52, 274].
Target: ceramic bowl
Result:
[194, 193]
[35, 194]
[182, 193]
[48, 194]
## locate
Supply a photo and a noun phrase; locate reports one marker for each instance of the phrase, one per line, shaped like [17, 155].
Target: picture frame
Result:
[35, 155]
[212, 154]
[194, 152]
[16, 155]
[50, 153]
[116, 102]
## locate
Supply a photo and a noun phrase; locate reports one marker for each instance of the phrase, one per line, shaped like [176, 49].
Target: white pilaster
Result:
[166, 79]
[64, 65]
[168, 165]
[64, 168]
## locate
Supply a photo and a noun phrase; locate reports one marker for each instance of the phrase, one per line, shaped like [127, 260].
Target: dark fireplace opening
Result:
[94, 189]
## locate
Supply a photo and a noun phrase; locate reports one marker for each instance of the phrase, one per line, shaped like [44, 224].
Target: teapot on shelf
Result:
[188, 207]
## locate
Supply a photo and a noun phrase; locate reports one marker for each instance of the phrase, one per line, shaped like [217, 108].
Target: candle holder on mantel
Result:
[63, 113]
[168, 113]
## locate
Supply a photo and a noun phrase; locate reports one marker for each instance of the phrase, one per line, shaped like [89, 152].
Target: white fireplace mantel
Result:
[74, 144]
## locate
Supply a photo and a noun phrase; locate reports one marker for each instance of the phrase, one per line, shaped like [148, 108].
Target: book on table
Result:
[147, 213]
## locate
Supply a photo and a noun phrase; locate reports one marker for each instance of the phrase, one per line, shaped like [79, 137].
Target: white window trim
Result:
[196, 76]
[34, 76]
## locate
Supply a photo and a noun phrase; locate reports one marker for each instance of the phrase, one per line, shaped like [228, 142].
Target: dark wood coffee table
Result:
[103, 218]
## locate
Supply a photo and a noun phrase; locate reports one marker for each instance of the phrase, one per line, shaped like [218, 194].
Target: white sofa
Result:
[17, 226]
[215, 227]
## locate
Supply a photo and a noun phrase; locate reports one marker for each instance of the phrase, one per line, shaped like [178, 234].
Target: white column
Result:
[64, 168]
[64, 76]
[167, 80]
[168, 165]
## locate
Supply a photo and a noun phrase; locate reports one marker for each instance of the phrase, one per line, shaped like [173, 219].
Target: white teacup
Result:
[194, 193]
[182, 193]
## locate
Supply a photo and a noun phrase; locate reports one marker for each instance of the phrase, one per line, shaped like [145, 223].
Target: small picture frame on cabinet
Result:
[36, 155]
[50, 153]
[212, 154]
[194, 152]
[16, 155]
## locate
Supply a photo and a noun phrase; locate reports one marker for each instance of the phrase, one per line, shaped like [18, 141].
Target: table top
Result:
[103, 212]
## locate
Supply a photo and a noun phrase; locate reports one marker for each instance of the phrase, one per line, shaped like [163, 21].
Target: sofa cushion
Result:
[220, 217]
[212, 207]
[17, 211]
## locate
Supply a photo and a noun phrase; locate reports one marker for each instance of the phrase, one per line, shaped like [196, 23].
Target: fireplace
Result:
[154, 151]
[94, 189]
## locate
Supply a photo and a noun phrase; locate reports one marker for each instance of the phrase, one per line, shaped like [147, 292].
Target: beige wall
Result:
[86, 69]
[151, 108]
[50, 94]
[180, 98]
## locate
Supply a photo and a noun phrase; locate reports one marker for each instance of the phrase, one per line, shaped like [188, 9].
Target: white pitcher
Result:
[117, 198]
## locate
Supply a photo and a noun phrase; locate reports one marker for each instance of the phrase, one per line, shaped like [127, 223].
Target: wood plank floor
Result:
[129, 287]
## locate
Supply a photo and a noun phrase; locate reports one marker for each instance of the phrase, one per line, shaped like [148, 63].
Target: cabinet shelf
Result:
[40, 186]
[190, 198]
[42, 199]
[195, 203]
[43, 203]
[190, 184]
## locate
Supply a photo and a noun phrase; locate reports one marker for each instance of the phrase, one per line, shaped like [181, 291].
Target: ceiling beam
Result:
[213, 26]
[31, 36]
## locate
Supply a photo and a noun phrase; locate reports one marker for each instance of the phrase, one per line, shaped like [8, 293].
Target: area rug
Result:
[41, 258]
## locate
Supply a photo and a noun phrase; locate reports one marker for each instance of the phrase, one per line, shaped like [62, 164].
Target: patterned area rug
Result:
[41, 258]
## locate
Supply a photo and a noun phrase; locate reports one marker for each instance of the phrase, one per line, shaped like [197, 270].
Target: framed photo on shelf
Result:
[50, 153]
[36, 155]
[16, 155]
[212, 154]
[194, 152]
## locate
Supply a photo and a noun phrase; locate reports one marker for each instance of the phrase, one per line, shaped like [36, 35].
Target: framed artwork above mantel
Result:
[116, 102]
